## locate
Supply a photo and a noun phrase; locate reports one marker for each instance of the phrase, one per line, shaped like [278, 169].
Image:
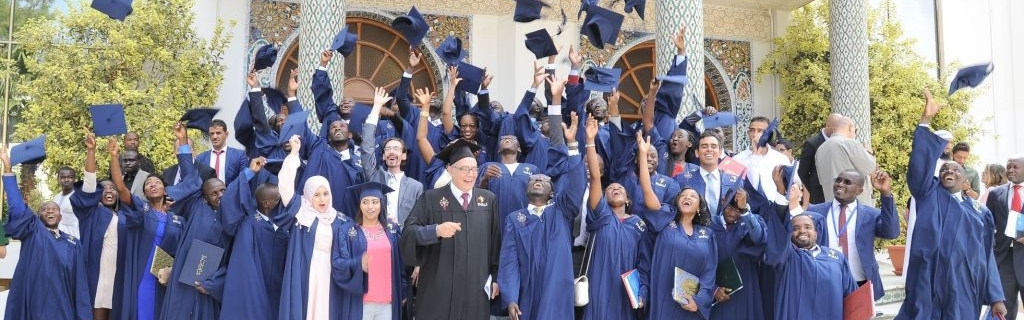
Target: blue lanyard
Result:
[835, 220]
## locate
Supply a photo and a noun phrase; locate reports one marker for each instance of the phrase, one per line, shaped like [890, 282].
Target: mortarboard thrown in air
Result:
[344, 42]
[770, 133]
[29, 152]
[412, 27]
[265, 57]
[458, 150]
[539, 42]
[115, 9]
[199, 118]
[720, 119]
[371, 189]
[472, 77]
[584, 5]
[601, 79]
[528, 10]
[108, 120]
[602, 26]
[450, 51]
[970, 77]
[635, 4]
[293, 126]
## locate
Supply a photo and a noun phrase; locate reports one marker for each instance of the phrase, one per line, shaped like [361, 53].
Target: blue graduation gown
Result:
[253, 278]
[511, 186]
[668, 100]
[672, 247]
[806, 286]
[295, 286]
[535, 268]
[93, 220]
[323, 160]
[744, 242]
[139, 295]
[616, 250]
[347, 271]
[203, 223]
[692, 178]
[623, 170]
[951, 272]
[50, 279]
[575, 100]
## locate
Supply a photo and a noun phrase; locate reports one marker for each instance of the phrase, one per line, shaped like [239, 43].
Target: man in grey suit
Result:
[406, 190]
[808, 170]
[1009, 252]
[841, 152]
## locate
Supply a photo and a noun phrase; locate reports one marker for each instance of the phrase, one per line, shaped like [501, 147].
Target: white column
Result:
[672, 15]
[848, 47]
[321, 21]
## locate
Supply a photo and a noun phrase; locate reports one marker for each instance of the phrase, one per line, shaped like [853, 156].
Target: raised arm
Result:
[426, 149]
[123, 194]
[887, 226]
[651, 200]
[404, 109]
[289, 169]
[323, 92]
[81, 202]
[449, 100]
[924, 151]
[371, 167]
[593, 164]
[647, 118]
[21, 221]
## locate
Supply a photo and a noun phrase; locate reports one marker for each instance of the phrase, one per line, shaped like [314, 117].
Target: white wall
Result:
[232, 89]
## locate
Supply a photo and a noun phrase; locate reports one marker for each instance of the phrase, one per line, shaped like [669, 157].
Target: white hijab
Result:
[307, 213]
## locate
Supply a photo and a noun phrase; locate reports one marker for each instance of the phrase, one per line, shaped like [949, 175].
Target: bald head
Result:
[830, 123]
[843, 126]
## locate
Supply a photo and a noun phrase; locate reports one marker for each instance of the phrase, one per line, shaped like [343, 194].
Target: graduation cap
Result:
[584, 5]
[199, 118]
[601, 79]
[450, 51]
[471, 78]
[115, 9]
[769, 133]
[412, 27]
[970, 77]
[636, 4]
[265, 57]
[345, 42]
[528, 10]
[273, 165]
[294, 125]
[108, 119]
[29, 152]
[539, 42]
[274, 98]
[602, 26]
[458, 150]
[371, 189]
[356, 119]
[720, 119]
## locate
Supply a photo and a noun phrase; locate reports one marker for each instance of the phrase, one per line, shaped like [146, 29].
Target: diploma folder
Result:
[860, 305]
[202, 261]
[631, 280]
[728, 276]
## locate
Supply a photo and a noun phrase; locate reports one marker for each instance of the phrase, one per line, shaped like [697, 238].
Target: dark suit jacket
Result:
[691, 178]
[171, 173]
[808, 171]
[1010, 259]
[236, 162]
[871, 223]
[373, 170]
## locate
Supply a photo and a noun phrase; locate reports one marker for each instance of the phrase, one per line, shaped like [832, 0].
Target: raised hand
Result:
[591, 129]
[112, 148]
[6, 159]
[293, 82]
[253, 80]
[710, 111]
[453, 76]
[414, 59]
[90, 141]
[380, 96]
[538, 74]
[679, 39]
[179, 132]
[256, 164]
[881, 182]
[642, 146]
[575, 58]
[741, 198]
[295, 142]
[570, 130]
[931, 108]
[325, 57]
[613, 103]
[423, 97]
[486, 80]
[557, 87]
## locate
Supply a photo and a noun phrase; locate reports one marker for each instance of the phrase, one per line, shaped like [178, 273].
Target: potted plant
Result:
[896, 247]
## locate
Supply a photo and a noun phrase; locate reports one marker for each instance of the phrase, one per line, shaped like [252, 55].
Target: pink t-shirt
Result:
[379, 248]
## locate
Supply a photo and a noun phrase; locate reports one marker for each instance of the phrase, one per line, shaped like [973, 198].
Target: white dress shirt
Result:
[393, 180]
[833, 227]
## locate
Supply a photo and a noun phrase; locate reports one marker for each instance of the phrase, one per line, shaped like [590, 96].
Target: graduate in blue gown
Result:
[578, 99]
[668, 99]
[535, 271]
[740, 236]
[334, 158]
[810, 281]
[148, 224]
[434, 174]
[310, 246]
[368, 264]
[952, 270]
[260, 241]
[95, 205]
[509, 177]
[623, 168]
[616, 240]
[50, 279]
[682, 238]
[199, 202]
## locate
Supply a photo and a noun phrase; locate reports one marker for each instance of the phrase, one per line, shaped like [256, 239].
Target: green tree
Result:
[897, 78]
[153, 63]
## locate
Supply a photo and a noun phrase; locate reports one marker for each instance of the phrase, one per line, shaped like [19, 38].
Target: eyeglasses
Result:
[465, 170]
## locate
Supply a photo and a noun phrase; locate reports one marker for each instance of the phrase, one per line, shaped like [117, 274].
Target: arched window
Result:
[639, 66]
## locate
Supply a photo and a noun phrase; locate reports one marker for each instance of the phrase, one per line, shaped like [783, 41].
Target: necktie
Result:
[465, 201]
[1015, 205]
[56, 234]
[711, 193]
[216, 163]
[842, 229]
[537, 211]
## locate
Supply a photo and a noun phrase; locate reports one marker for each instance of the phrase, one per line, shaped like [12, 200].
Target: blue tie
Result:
[711, 194]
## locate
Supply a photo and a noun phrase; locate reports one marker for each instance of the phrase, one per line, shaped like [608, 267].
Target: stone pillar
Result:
[848, 46]
[672, 15]
[321, 21]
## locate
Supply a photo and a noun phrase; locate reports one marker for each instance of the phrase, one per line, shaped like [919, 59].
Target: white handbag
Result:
[581, 286]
